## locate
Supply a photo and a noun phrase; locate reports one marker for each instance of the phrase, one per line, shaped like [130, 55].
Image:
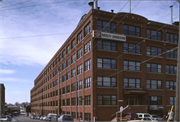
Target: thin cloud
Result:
[7, 71]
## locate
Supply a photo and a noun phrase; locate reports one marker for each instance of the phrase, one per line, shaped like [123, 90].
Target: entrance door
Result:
[132, 100]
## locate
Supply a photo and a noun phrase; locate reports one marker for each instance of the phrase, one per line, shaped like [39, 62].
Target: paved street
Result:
[23, 118]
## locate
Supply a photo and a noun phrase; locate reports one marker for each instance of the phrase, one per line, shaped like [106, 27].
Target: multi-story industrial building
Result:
[2, 100]
[107, 63]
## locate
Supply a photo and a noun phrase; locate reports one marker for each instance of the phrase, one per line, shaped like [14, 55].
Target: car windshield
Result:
[3, 117]
[155, 116]
[146, 115]
[67, 116]
[134, 115]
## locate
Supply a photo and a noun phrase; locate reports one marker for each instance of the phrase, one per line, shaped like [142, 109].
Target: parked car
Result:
[146, 119]
[41, 118]
[32, 116]
[51, 117]
[66, 117]
[156, 117]
[38, 116]
[54, 118]
[4, 118]
[128, 116]
[143, 115]
[44, 118]
[9, 117]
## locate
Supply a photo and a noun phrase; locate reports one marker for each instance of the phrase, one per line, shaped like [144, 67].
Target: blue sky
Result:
[24, 53]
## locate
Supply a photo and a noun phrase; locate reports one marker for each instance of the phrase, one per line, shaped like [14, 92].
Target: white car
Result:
[143, 120]
[44, 118]
[4, 118]
[41, 118]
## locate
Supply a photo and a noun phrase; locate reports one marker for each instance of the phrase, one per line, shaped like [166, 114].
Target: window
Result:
[87, 82]
[79, 69]
[87, 29]
[73, 44]
[60, 57]
[73, 58]
[154, 100]
[106, 26]
[87, 116]
[87, 47]
[63, 66]
[68, 102]
[68, 89]
[132, 48]
[56, 92]
[106, 63]
[79, 85]
[79, 115]
[59, 91]
[60, 80]
[171, 69]
[67, 62]
[172, 38]
[106, 81]
[156, 68]
[132, 30]
[79, 100]
[153, 84]
[63, 77]
[68, 76]
[63, 54]
[79, 37]
[171, 85]
[171, 53]
[73, 87]
[67, 49]
[87, 65]
[79, 53]
[172, 100]
[64, 102]
[154, 51]
[105, 45]
[73, 72]
[155, 35]
[73, 114]
[106, 100]
[87, 100]
[73, 101]
[132, 65]
[63, 90]
[132, 83]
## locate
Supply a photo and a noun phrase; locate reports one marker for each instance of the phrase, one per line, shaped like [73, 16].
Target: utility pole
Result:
[177, 104]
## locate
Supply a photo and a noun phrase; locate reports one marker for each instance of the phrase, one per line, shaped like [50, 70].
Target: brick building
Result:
[2, 96]
[114, 63]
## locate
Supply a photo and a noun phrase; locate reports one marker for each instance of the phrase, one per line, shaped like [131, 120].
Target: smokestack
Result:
[91, 4]
[171, 13]
[95, 4]
[112, 10]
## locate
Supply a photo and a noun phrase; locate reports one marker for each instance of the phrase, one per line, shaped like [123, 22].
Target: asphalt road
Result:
[24, 118]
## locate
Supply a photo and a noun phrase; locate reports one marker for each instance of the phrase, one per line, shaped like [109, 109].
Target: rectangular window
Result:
[63, 54]
[132, 65]
[156, 68]
[79, 53]
[87, 47]
[64, 102]
[106, 81]
[79, 37]
[68, 102]
[106, 100]
[73, 114]
[171, 53]
[132, 30]
[79, 69]
[155, 35]
[60, 57]
[73, 44]
[73, 72]
[79, 85]
[67, 49]
[172, 100]
[60, 80]
[73, 58]
[63, 77]
[105, 45]
[132, 48]
[154, 84]
[154, 100]
[87, 100]
[63, 90]
[87, 116]
[60, 69]
[104, 26]
[68, 89]
[172, 38]
[68, 76]
[87, 29]
[87, 82]
[73, 87]
[106, 63]
[171, 85]
[132, 83]
[154, 51]
[63, 66]
[73, 101]
[170, 69]
[87, 65]
[67, 62]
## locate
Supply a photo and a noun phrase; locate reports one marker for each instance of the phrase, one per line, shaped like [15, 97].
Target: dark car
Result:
[66, 117]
